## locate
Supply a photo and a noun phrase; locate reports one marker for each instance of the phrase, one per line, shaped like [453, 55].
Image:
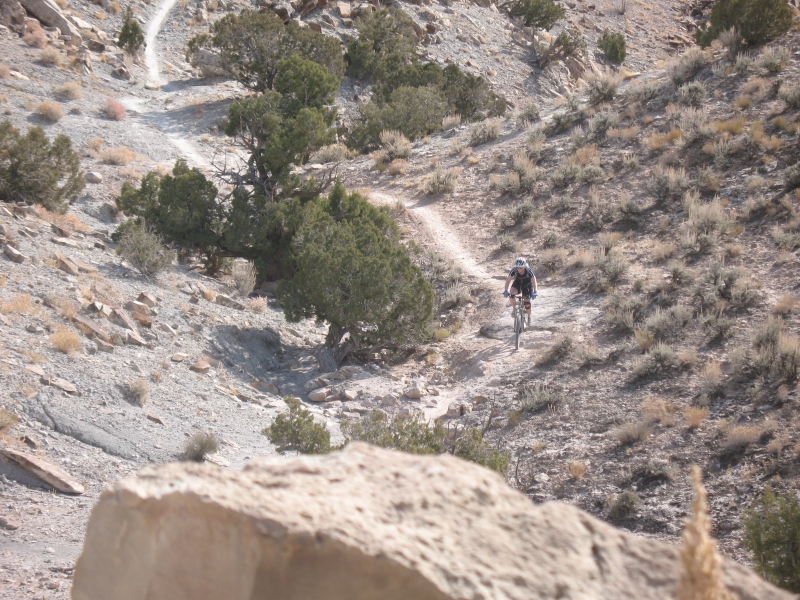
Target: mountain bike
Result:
[520, 318]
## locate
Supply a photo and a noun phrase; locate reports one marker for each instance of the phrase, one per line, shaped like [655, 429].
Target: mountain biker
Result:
[524, 282]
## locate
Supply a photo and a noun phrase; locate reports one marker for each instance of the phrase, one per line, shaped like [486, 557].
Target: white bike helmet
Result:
[520, 262]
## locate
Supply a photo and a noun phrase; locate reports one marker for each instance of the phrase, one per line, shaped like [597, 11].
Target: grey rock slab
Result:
[46, 471]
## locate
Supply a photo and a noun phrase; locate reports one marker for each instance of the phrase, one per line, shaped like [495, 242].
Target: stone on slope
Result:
[93, 177]
[48, 13]
[224, 300]
[148, 299]
[14, 254]
[48, 472]
[361, 524]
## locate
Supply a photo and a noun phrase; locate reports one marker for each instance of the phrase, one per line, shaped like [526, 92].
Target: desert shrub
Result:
[668, 184]
[50, 111]
[657, 410]
[791, 176]
[660, 359]
[505, 182]
[756, 21]
[137, 391]
[602, 87]
[534, 397]
[694, 416]
[258, 304]
[451, 122]
[7, 420]
[772, 536]
[528, 172]
[790, 94]
[541, 14]
[51, 56]
[551, 260]
[528, 115]
[684, 68]
[569, 43]
[562, 346]
[114, 110]
[131, 37]
[613, 46]
[417, 436]
[200, 444]
[623, 505]
[69, 91]
[692, 94]
[670, 323]
[332, 153]
[591, 174]
[576, 469]
[644, 92]
[622, 312]
[120, 156]
[630, 433]
[244, 277]
[442, 180]
[740, 437]
[600, 124]
[35, 35]
[144, 251]
[564, 175]
[488, 131]
[396, 144]
[774, 60]
[66, 340]
[413, 111]
[34, 170]
[508, 243]
[5, 71]
[718, 326]
[296, 430]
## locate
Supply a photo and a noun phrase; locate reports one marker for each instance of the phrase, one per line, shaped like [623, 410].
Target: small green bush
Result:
[624, 505]
[692, 94]
[131, 38]
[296, 430]
[199, 445]
[528, 115]
[613, 46]
[772, 535]
[791, 176]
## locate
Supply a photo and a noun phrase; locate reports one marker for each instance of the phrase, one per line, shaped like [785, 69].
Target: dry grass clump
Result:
[658, 411]
[711, 379]
[244, 277]
[451, 121]
[138, 392]
[441, 181]
[69, 91]
[602, 87]
[577, 469]
[505, 182]
[120, 156]
[20, 303]
[740, 437]
[484, 132]
[791, 95]
[114, 110]
[66, 340]
[743, 101]
[562, 346]
[259, 304]
[51, 56]
[785, 305]
[396, 144]
[663, 250]
[5, 71]
[7, 420]
[701, 564]
[731, 126]
[630, 433]
[694, 416]
[398, 167]
[35, 35]
[333, 153]
[50, 111]
[199, 445]
[687, 66]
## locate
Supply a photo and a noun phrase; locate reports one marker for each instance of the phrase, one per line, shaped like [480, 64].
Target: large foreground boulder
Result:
[362, 524]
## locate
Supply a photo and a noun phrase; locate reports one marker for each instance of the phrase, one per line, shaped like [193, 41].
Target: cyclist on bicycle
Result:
[524, 282]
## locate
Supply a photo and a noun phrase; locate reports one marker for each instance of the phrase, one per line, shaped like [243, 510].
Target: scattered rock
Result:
[319, 395]
[34, 328]
[148, 299]
[93, 177]
[62, 241]
[123, 72]
[265, 387]
[313, 384]
[155, 419]
[48, 13]
[344, 9]
[152, 85]
[48, 472]
[123, 319]
[224, 300]
[9, 523]
[138, 307]
[91, 329]
[416, 391]
[200, 366]
[14, 254]
[179, 357]
[389, 400]
[167, 329]
[61, 384]
[104, 346]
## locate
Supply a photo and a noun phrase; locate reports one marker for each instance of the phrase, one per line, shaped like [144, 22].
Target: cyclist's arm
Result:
[535, 285]
[508, 282]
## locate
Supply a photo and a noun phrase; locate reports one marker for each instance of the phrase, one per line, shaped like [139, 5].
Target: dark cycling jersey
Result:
[523, 283]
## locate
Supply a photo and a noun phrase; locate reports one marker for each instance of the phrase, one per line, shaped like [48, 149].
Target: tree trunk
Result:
[335, 350]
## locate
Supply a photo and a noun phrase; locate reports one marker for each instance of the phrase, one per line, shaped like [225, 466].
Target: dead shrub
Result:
[333, 153]
[120, 156]
[694, 416]
[69, 91]
[66, 340]
[244, 277]
[51, 56]
[138, 392]
[114, 110]
[577, 469]
[398, 167]
[658, 411]
[258, 304]
[396, 144]
[20, 303]
[711, 379]
[785, 305]
[199, 445]
[50, 111]
[630, 433]
[144, 251]
[740, 437]
[35, 35]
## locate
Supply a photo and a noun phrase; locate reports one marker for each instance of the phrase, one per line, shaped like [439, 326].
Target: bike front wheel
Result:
[518, 325]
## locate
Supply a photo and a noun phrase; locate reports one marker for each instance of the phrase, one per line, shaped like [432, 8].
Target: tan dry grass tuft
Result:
[694, 416]
[120, 156]
[5, 71]
[209, 294]
[701, 564]
[577, 469]
[51, 56]
[35, 36]
[658, 410]
[785, 305]
[138, 392]
[66, 341]
[21, 303]
[69, 91]
[50, 111]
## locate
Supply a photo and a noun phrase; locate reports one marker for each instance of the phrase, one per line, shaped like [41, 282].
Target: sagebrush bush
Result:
[396, 144]
[630, 433]
[144, 251]
[244, 277]
[484, 132]
[668, 184]
[602, 87]
[119, 157]
[199, 445]
[505, 182]
[66, 340]
[114, 110]
[50, 111]
[442, 180]
[138, 392]
[774, 60]
[791, 176]
[790, 94]
[692, 94]
[623, 505]
[51, 56]
[297, 430]
[613, 46]
[772, 535]
[332, 153]
[69, 91]
[684, 68]
[528, 115]
[451, 121]
[534, 397]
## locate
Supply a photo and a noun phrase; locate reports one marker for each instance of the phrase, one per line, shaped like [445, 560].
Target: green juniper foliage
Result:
[756, 21]
[542, 14]
[131, 38]
[613, 46]
[296, 430]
